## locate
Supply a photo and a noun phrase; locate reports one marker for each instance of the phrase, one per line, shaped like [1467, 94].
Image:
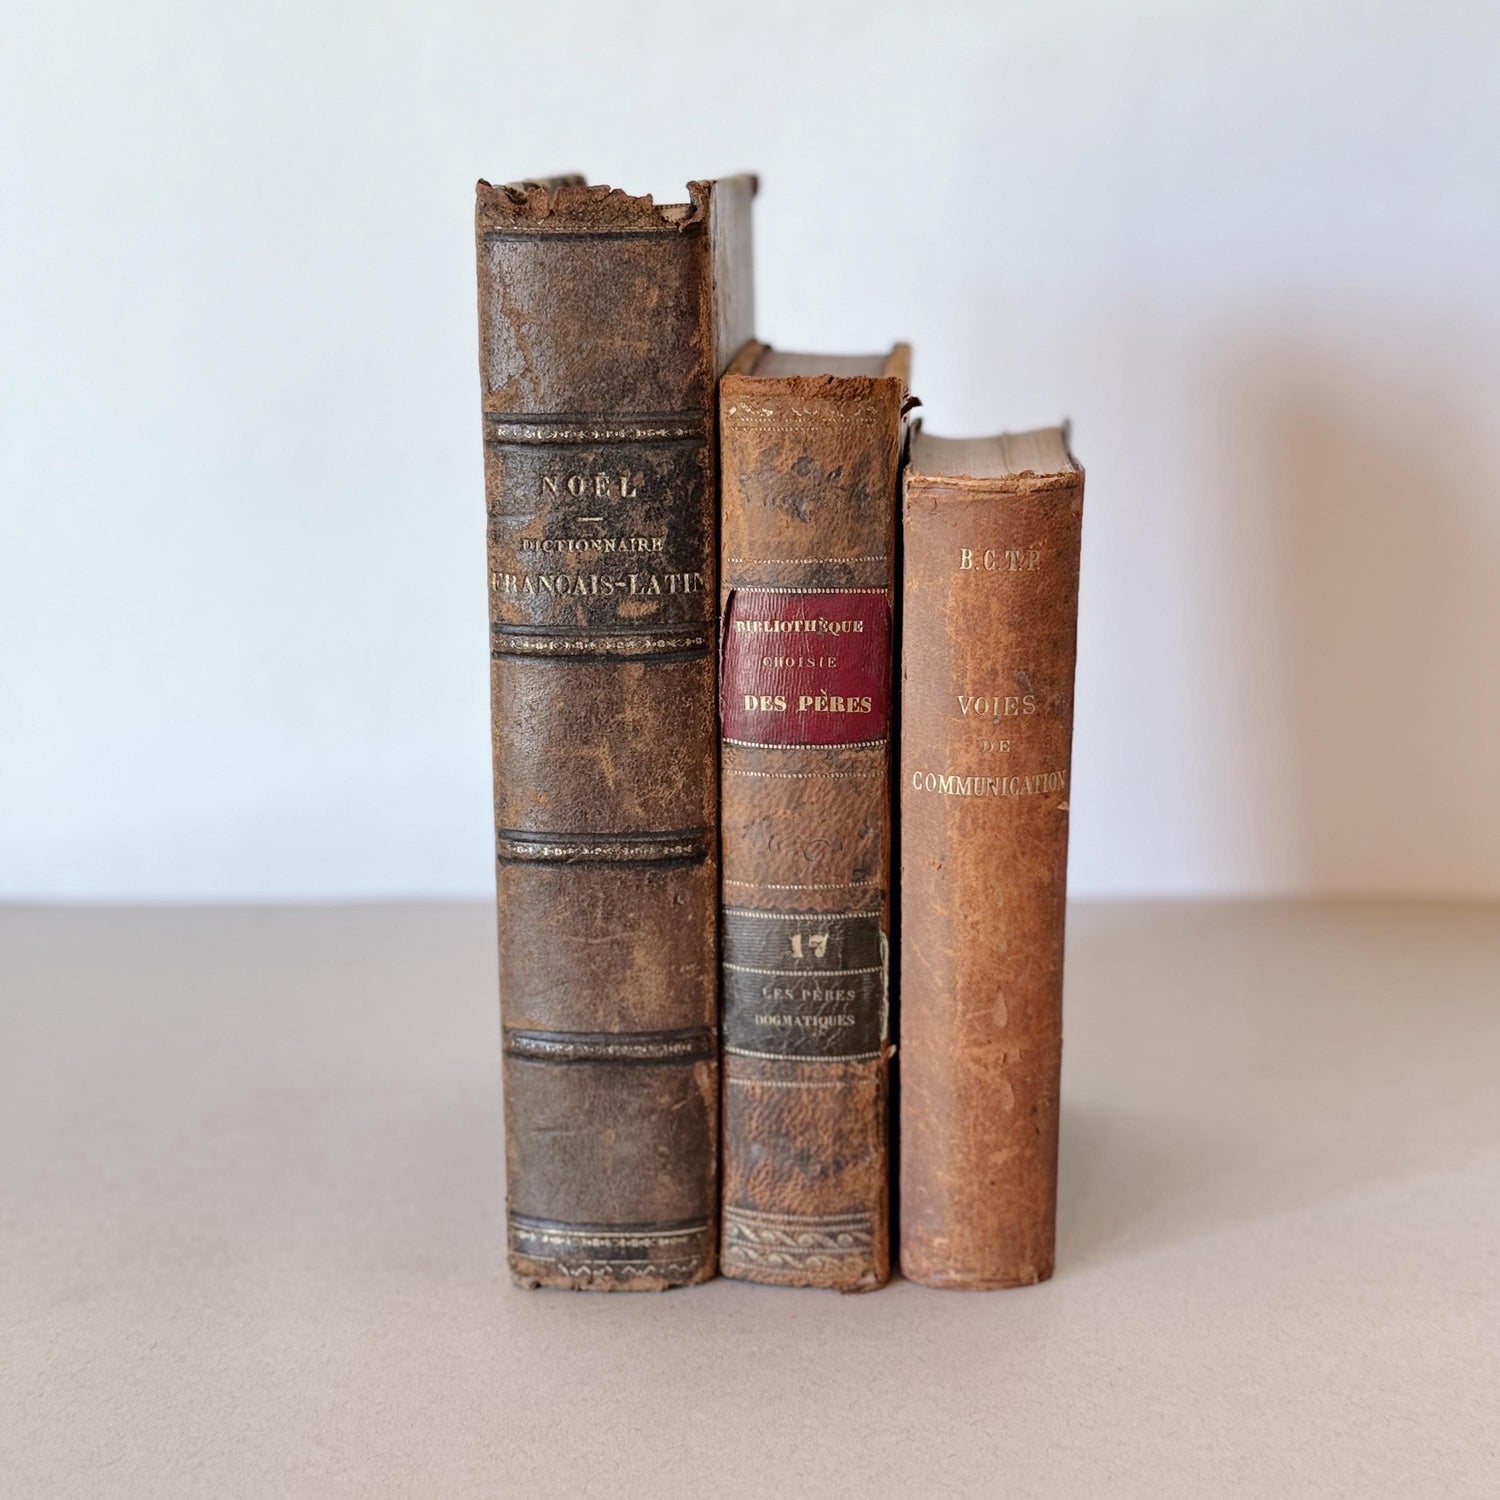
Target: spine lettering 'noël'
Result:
[600, 348]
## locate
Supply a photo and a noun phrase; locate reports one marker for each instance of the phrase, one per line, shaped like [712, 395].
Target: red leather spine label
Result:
[806, 667]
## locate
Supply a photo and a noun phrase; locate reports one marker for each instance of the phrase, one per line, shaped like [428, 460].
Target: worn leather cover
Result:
[604, 323]
[991, 531]
[810, 470]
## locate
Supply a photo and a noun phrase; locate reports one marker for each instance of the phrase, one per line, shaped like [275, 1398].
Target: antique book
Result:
[604, 323]
[810, 452]
[991, 529]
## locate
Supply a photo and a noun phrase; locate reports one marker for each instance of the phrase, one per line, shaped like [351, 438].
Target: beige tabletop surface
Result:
[251, 1235]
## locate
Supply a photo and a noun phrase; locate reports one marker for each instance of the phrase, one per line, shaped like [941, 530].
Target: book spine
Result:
[810, 476]
[990, 613]
[598, 339]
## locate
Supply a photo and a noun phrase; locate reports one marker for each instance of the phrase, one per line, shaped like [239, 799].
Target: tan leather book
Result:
[811, 451]
[991, 528]
[604, 323]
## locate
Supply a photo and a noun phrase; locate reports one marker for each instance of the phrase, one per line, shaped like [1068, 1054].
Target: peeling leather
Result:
[604, 323]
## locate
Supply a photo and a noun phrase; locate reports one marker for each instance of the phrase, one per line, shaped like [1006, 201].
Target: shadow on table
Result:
[1229, 1062]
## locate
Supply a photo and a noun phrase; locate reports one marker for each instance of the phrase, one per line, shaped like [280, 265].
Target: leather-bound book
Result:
[991, 529]
[811, 452]
[604, 323]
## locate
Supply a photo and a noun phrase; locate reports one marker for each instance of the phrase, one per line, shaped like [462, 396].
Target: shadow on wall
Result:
[1369, 507]
[1225, 1064]
[1230, 1064]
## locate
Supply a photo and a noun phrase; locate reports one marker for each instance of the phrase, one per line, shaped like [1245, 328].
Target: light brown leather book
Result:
[991, 529]
[811, 451]
[604, 323]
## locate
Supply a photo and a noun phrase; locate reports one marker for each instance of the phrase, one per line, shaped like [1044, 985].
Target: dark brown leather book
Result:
[604, 323]
[811, 452]
[991, 529]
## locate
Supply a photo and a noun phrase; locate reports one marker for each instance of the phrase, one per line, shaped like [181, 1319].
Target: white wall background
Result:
[1250, 248]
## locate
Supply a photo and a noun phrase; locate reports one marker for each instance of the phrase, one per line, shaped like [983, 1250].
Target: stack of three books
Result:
[698, 592]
